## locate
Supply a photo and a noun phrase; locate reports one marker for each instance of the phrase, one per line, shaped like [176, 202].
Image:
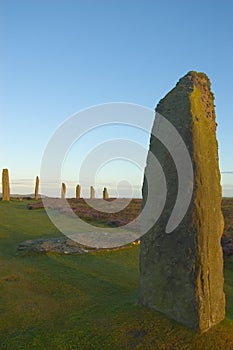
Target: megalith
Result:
[63, 190]
[78, 191]
[181, 272]
[5, 185]
[92, 192]
[105, 193]
[37, 188]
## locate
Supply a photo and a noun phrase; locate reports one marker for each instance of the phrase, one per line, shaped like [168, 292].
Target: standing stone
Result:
[105, 193]
[92, 192]
[5, 185]
[37, 188]
[63, 190]
[181, 272]
[78, 191]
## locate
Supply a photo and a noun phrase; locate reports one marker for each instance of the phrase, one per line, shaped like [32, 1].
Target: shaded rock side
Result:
[181, 273]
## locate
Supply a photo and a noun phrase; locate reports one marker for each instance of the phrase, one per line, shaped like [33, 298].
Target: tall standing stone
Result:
[105, 193]
[181, 272]
[37, 188]
[5, 185]
[92, 192]
[63, 190]
[78, 191]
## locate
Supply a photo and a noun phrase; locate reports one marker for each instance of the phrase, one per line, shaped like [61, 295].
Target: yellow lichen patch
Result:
[207, 215]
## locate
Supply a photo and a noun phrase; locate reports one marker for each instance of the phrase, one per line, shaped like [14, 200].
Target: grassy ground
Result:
[87, 301]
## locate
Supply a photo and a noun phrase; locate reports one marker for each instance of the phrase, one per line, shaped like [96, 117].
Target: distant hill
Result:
[31, 195]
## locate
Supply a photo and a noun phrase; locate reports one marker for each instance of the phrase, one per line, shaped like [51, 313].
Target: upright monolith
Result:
[78, 191]
[105, 193]
[181, 271]
[92, 192]
[37, 188]
[5, 185]
[63, 190]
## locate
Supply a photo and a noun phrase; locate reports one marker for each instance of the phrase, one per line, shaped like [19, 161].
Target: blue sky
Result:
[61, 56]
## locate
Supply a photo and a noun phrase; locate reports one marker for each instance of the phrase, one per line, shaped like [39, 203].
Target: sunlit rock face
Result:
[181, 272]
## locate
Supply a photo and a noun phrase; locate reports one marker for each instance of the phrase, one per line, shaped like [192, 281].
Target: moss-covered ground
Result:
[51, 301]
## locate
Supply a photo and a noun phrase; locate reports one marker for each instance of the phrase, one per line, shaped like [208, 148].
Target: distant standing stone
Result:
[181, 272]
[105, 193]
[63, 190]
[5, 185]
[92, 192]
[37, 188]
[78, 191]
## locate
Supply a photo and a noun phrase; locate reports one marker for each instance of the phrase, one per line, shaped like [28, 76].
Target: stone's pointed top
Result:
[195, 86]
[195, 74]
[198, 79]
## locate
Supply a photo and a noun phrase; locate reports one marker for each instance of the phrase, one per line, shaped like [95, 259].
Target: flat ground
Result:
[51, 301]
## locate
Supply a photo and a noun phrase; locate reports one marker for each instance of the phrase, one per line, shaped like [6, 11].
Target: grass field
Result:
[51, 301]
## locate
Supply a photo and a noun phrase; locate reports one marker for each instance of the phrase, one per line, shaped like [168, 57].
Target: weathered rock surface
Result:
[61, 245]
[181, 272]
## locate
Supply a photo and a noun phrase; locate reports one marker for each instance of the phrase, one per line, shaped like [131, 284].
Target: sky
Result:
[59, 57]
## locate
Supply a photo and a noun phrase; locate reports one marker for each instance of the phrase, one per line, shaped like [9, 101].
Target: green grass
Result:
[51, 301]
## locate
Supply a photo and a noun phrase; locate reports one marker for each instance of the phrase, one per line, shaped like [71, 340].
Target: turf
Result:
[51, 301]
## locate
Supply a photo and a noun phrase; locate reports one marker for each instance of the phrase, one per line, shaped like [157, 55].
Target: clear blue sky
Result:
[61, 56]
